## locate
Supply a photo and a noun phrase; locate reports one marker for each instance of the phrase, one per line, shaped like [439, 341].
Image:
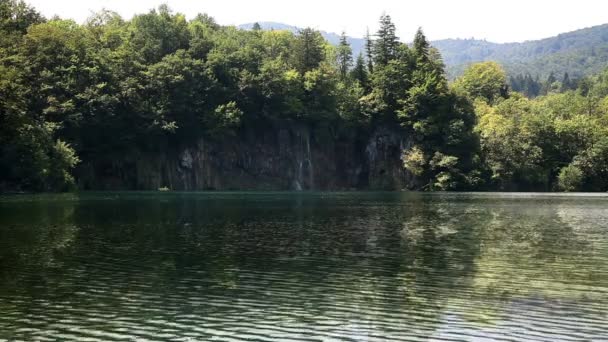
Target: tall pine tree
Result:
[386, 44]
[309, 50]
[421, 47]
[360, 74]
[369, 51]
[566, 83]
[344, 56]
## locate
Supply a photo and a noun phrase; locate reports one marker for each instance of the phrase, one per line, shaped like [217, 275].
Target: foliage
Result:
[414, 161]
[485, 80]
[344, 57]
[73, 95]
[570, 178]
[159, 81]
[553, 141]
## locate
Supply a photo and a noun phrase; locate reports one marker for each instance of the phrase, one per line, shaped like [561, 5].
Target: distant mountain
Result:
[270, 25]
[580, 53]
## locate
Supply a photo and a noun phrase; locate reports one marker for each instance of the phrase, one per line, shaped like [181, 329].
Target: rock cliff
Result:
[283, 156]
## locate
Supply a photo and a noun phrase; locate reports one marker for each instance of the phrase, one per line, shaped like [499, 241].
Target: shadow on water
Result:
[347, 266]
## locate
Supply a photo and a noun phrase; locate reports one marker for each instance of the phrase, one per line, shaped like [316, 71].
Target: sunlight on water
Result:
[307, 266]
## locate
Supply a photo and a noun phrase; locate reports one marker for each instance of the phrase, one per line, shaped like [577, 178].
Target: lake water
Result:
[303, 267]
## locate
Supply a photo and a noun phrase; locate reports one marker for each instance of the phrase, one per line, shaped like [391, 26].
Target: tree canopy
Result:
[73, 94]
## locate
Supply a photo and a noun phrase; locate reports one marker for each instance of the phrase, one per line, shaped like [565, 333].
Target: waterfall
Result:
[299, 163]
[304, 175]
[298, 181]
[311, 173]
[303, 162]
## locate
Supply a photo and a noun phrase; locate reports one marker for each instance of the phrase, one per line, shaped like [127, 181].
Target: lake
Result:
[304, 267]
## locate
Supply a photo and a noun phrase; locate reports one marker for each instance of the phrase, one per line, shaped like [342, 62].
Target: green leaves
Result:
[62, 160]
[546, 143]
[309, 50]
[16, 16]
[414, 161]
[159, 82]
[157, 33]
[570, 178]
[387, 43]
[228, 115]
[485, 80]
[344, 57]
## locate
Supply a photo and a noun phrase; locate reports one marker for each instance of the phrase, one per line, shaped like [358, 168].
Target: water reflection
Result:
[361, 266]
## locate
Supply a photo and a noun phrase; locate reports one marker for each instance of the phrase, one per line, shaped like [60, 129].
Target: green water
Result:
[303, 267]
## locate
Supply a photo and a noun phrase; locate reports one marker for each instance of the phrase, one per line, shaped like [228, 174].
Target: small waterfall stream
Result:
[311, 173]
[304, 177]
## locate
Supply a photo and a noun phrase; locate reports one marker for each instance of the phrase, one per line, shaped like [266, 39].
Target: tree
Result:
[360, 74]
[111, 92]
[157, 34]
[16, 16]
[570, 178]
[551, 79]
[389, 85]
[550, 85]
[369, 51]
[510, 149]
[486, 80]
[421, 48]
[566, 83]
[344, 56]
[181, 97]
[309, 50]
[386, 44]
[207, 20]
[415, 161]
[532, 86]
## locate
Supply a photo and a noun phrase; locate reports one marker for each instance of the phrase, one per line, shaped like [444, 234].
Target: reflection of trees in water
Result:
[470, 256]
[34, 234]
[440, 243]
[415, 257]
[530, 250]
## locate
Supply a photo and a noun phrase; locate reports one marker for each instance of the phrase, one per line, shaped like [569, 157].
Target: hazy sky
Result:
[499, 21]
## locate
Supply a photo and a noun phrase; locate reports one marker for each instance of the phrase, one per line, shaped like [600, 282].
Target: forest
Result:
[74, 94]
[579, 53]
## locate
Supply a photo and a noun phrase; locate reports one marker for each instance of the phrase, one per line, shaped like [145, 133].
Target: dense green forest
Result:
[579, 53]
[71, 94]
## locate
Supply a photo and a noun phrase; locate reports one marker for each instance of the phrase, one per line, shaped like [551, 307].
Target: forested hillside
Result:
[162, 101]
[557, 141]
[159, 101]
[579, 53]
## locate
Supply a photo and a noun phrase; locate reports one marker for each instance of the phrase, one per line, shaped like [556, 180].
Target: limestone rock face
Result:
[286, 156]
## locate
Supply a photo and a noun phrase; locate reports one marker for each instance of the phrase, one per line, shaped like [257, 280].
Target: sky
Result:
[497, 21]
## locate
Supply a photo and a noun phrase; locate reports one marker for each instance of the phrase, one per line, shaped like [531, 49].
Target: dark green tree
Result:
[344, 56]
[386, 44]
[421, 48]
[566, 83]
[17, 16]
[157, 34]
[309, 50]
[360, 73]
[369, 51]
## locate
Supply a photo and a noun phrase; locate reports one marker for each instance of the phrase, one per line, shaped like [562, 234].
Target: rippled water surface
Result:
[303, 267]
